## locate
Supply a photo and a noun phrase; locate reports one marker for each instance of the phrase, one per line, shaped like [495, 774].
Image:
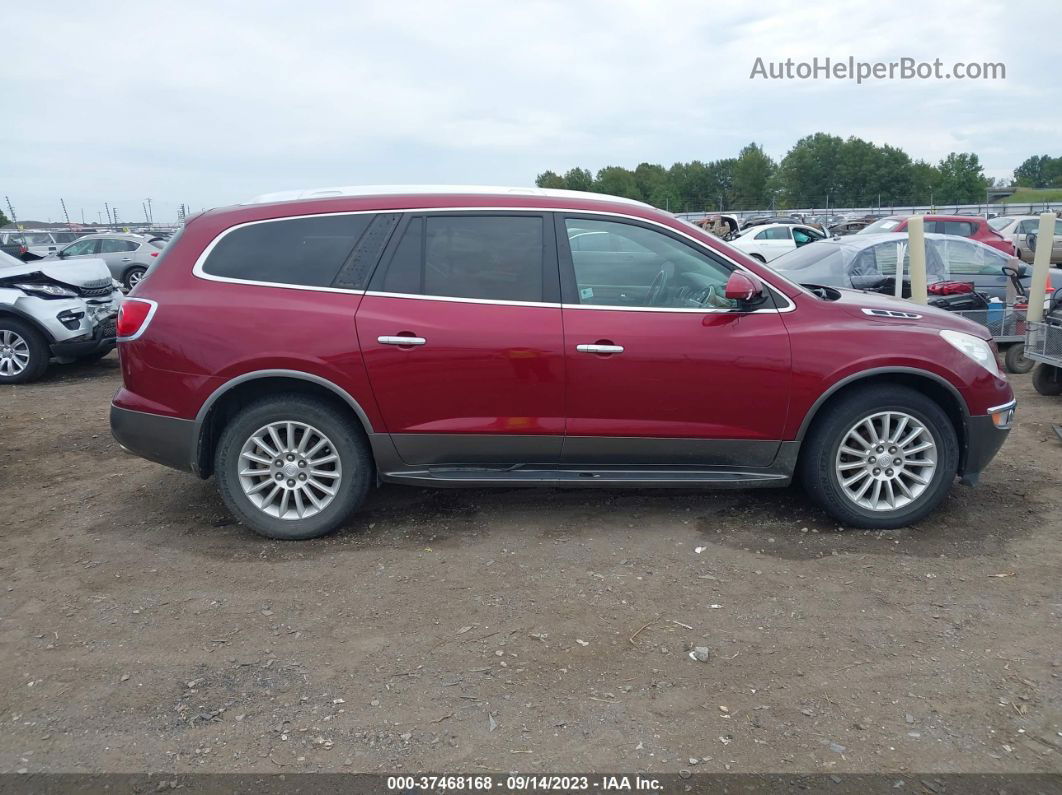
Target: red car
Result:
[971, 226]
[302, 350]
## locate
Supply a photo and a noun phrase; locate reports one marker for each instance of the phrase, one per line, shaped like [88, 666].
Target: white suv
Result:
[52, 310]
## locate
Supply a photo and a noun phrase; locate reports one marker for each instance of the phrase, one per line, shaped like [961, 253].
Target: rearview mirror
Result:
[743, 287]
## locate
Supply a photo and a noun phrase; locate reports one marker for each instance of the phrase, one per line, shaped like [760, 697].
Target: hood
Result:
[86, 273]
[855, 301]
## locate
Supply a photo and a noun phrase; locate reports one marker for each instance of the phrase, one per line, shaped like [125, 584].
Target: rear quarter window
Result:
[305, 251]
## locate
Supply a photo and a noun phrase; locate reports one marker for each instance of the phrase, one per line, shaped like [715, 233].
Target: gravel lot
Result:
[140, 629]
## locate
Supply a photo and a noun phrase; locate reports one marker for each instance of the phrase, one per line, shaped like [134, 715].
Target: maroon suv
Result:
[303, 349]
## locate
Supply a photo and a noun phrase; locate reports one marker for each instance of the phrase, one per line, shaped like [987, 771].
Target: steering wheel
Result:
[659, 283]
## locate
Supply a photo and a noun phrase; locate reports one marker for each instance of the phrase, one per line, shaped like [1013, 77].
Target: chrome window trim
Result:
[198, 272]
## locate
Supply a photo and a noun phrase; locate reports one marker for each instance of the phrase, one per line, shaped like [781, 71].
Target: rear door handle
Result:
[126, 259]
[599, 348]
[401, 340]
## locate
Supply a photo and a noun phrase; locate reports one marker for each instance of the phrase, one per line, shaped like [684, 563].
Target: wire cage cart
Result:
[1006, 323]
[1043, 346]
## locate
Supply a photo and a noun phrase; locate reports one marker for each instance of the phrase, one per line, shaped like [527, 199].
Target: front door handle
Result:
[597, 348]
[401, 340]
[126, 259]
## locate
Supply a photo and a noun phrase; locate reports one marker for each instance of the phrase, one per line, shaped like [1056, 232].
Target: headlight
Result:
[47, 290]
[974, 347]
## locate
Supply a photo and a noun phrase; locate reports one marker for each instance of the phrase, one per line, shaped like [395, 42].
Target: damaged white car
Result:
[54, 311]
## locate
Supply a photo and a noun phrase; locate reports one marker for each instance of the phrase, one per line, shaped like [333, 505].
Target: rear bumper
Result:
[165, 440]
[984, 436]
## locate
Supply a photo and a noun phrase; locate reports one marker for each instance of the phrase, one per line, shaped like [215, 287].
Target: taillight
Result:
[134, 315]
[154, 253]
[22, 250]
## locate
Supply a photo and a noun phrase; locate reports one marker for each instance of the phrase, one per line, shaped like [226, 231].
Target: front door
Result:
[661, 367]
[461, 336]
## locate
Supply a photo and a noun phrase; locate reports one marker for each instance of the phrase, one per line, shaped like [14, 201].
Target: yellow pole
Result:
[1041, 266]
[916, 243]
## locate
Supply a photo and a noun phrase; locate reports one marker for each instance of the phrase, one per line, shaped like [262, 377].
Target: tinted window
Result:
[306, 251]
[495, 258]
[804, 236]
[112, 246]
[960, 228]
[644, 268]
[882, 225]
[999, 222]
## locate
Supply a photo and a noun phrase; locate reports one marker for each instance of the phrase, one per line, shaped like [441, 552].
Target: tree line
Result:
[821, 170]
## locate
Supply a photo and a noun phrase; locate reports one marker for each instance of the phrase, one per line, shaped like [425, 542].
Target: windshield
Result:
[999, 222]
[883, 225]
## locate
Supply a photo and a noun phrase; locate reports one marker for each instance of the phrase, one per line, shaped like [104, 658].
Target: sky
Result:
[209, 103]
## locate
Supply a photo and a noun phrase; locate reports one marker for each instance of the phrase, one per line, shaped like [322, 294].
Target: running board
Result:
[645, 477]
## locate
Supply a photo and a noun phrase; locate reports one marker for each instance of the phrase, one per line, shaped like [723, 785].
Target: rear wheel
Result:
[880, 457]
[292, 467]
[1015, 361]
[24, 352]
[1047, 380]
[133, 276]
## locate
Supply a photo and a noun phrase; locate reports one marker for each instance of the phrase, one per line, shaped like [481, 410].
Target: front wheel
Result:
[24, 352]
[1047, 380]
[1014, 359]
[880, 457]
[292, 467]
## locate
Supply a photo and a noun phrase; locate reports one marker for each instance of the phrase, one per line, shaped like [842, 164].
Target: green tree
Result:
[549, 179]
[617, 181]
[578, 179]
[925, 183]
[962, 179]
[752, 171]
[4, 220]
[809, 171]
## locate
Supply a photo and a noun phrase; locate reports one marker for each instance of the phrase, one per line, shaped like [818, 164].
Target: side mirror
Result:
[744, 287]
[61, 254]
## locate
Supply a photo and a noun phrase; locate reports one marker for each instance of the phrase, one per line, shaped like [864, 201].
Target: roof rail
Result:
[412, 190]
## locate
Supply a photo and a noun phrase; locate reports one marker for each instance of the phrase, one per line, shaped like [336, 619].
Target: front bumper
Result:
[101, 340]
[170, 441]
[985, 435]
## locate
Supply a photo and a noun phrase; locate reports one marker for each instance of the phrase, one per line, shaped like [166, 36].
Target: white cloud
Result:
[209, 102]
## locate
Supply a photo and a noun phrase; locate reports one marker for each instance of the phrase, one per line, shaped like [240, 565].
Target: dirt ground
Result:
[141, 630]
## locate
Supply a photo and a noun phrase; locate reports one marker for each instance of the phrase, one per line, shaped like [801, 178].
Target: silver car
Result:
[38, 243]
[128, 256]
[1017, 228]
[53, 311]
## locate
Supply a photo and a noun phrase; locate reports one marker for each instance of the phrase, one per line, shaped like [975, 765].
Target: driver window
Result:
[81, 247]
[619, 264]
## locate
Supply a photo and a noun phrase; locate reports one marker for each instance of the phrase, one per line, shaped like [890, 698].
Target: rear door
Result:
[118, 254]
[461, 336]
[661, 368]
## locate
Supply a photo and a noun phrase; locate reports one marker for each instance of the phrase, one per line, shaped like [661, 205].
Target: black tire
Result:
[817, 461]
[132, 276]
[37, 347]
[1047, 380]
[347, 442]
[1014, 359]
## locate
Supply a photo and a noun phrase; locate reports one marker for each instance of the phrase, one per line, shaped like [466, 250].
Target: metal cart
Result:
[1043, 346]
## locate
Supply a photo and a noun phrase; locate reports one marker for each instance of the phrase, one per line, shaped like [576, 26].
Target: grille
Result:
[95, 292]
[108, 329]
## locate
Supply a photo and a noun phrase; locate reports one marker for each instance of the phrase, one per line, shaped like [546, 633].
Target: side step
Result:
[616, 477]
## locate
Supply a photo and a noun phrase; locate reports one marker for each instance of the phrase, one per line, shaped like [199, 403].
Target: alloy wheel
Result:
[14, 353]
[886, 461]
[289, 470]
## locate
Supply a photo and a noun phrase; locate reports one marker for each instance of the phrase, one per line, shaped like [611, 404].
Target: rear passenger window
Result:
[302, 251]
[495, 258]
